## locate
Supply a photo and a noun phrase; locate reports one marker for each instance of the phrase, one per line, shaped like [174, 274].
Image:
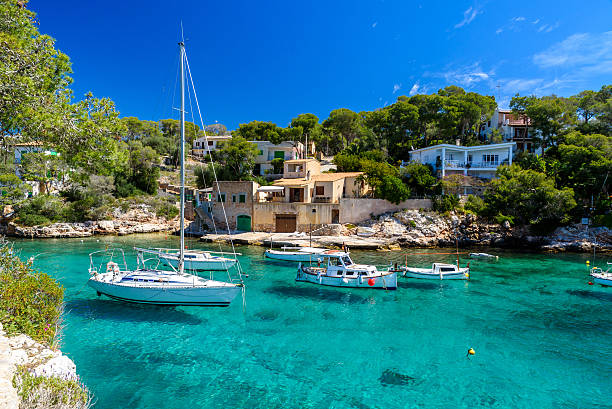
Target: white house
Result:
[26, 147]
[477, 161]
[202, 145]
[512, 129]
[268, 151]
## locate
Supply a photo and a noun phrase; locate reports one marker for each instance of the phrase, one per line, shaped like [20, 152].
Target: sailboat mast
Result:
[182, 213]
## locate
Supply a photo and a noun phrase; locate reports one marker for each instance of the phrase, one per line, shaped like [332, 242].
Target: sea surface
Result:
[542, 336]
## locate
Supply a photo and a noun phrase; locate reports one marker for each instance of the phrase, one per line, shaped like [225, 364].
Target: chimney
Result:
[458, 142]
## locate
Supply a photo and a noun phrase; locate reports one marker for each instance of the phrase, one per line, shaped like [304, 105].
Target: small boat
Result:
[194, 260]
[484, 256]
[301, 254]
[603, 278]
[335, 268]
[365, 231]
[438, 271]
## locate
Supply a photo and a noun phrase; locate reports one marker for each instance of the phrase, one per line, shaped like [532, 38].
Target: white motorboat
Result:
[194, 259]
[335, 268]
[301, 254]
[484, 256]
[602, 277]
[438, 271]
[156, 286]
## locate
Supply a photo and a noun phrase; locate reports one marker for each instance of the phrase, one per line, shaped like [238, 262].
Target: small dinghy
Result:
[301, 254]
[335, 268]
[365, 231]
[438, 271]
[485, 256]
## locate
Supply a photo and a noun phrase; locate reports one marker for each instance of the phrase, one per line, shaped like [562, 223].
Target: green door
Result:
[243, 223]
[279, 154]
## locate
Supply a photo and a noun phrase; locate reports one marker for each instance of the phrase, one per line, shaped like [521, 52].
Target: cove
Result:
[541, 336]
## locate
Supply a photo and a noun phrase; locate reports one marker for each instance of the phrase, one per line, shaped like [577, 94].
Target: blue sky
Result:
[272, 60]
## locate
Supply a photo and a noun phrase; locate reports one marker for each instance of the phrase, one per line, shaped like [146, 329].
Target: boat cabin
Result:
[339, 264]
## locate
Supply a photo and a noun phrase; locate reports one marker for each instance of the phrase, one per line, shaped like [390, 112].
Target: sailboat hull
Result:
[213, 293]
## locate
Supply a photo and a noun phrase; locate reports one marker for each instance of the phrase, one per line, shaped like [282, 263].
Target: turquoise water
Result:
[542, 336]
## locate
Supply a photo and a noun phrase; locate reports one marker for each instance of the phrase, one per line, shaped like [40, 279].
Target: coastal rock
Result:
[60, 367]
[139, 219]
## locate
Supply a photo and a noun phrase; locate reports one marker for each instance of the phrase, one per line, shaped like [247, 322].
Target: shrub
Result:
[33, 220]
[500, 219]
[603, 220]
[51, 393]
[445, 203]
[42, 209]
[474, 204]
[30, 302]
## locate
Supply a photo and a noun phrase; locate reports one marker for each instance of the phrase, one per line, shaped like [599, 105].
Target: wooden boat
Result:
[338, 270]
[365, 231]
[193, 259]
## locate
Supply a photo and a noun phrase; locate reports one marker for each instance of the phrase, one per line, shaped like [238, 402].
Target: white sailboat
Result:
[301, 254]
[335, 268]
[156, 286]
[194, 259]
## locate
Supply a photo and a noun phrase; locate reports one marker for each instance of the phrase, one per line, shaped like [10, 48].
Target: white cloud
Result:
[547, 28]
[414, 89]
[374, 24]
[517, 19]
[467, 75]
[499, 30]
[396, 87]
[589, 51]
[521, 85]
[536, 21]
[468, 16]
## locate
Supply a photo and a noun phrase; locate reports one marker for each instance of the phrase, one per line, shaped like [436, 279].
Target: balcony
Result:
[455, 164]
[322, 199]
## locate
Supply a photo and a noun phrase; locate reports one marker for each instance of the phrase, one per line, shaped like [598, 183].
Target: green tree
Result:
[237, 156]
[384, 181]
[261, 131]
[12, 189]
[419, 178]
[529, 197]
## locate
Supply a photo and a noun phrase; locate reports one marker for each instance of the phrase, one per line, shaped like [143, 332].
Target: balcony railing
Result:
[455, 164]
[321, 199]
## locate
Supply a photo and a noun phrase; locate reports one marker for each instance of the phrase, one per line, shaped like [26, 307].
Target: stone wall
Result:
[308, 215]
[358, 210]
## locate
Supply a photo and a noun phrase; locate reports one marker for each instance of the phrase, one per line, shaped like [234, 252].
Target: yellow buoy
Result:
[471, 351]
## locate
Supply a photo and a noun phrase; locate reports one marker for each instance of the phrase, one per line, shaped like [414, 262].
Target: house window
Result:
[197, 144]
[491, 159]
[260, 152]
[233, 198]
[489, 124]
[242, 198]
[319, 190]
[210, 143]
[221, 197]
[279, 155]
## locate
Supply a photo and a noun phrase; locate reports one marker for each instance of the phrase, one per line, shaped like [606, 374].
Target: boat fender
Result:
[588, 262]
[590, 283]
[345, 280]
[371, 282]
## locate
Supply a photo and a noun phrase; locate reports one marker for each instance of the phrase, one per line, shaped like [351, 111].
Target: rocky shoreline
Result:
[137, 220]
[39, 361]
[413, 228]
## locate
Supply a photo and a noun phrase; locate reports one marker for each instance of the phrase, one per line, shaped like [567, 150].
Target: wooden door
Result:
[286, 223]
